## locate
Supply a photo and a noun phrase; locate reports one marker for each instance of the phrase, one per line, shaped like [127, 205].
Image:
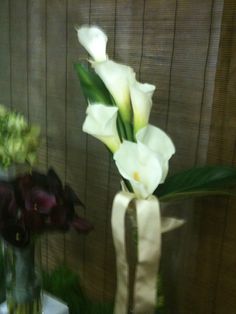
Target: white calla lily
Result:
[117, 78]
[141, 98]
[159, 143]
[94, 40]
[100, 122]
[138, 164]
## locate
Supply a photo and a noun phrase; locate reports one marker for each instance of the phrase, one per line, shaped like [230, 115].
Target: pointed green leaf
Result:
[95, 91]
[93, 87]
[198, 182]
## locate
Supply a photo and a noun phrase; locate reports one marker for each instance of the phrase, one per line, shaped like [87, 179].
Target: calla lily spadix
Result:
[141, 99]
[117, 78]
[94, 40]
[100, 122]
[159, 143]
[138, 164]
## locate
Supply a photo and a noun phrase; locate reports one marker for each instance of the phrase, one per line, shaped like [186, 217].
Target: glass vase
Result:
[22, 279]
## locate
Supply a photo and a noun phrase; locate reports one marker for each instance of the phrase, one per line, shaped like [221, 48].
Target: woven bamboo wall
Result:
[187, 49]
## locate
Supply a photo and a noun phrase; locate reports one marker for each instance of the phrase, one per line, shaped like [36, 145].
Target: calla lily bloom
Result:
[34, 203]
[138, 164]
[101, 123]
[141, 98]
[40, 200]
[94, 40]
[117, 78]
[8, 206]
[159, 143]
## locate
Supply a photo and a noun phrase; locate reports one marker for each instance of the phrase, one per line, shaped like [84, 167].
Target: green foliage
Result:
[95, 91]
[93, 87]
[2, 289]
[64, 284]
[161, 309]
[18, 140]
[198, 182]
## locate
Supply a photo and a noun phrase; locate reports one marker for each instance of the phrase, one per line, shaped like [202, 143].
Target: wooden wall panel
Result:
[206, 277]
[76, 151]
[37, 85]
[19, 55]
[97, 179]
[157, 53]
[36, 48]
[173, 44]
[190, 48]
[56, 40]
[191, 88]
[224, 136]
[5, 55]
[107, 278]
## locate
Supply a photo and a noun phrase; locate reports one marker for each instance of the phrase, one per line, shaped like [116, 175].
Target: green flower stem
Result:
[121, 128]
[134, 237]
[23, 289]
[128, 185]
[31, 307]
[129, 131]
[125, 129]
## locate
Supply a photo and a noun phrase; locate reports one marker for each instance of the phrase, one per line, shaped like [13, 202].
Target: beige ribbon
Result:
[119, 208]
[149, 251]
[149, 248]
[170, 224]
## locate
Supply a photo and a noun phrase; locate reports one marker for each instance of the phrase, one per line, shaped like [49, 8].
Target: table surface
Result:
[51, 305]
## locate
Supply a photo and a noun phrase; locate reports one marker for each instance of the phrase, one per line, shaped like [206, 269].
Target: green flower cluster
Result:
[18, 141]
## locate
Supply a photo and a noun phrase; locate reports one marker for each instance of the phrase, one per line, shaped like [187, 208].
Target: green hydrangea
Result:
[18, 140]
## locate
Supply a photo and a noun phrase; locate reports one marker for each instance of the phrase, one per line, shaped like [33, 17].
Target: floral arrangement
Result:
[118, 115]
[18, 141]
[34, 203]
[30, 204]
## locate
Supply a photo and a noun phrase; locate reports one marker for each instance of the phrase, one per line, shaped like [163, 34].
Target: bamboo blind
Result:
[187, 49]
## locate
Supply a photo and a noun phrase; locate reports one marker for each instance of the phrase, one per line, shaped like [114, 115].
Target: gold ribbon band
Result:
[149, 247]
[119, 208]
[149, 251]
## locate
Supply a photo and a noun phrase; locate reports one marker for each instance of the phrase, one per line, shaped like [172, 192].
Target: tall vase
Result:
[22, 279]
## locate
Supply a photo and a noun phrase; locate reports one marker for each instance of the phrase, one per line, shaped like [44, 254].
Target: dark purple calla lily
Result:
[81, 225]
[15, 234]
[8, 206]
[36, 203]
[58, 218]
[40, 200]
[54, 183]
[70, 197]
[34, 221]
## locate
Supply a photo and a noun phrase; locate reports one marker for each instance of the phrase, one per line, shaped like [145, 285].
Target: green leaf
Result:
[93, 87]
[95, 91]
[65, 284]
[198, 182]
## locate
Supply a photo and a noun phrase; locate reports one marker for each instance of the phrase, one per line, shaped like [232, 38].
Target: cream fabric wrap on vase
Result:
[149, 251]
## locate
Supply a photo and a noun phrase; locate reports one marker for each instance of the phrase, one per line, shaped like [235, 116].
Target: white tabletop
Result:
[50, 305]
